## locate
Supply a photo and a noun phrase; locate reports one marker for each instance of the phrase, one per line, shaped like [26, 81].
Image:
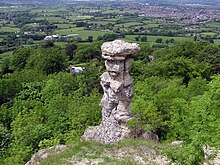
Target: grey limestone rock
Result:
[118, 92]
[44, 153]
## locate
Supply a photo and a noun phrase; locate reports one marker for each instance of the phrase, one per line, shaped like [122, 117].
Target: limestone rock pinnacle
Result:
[118, 92]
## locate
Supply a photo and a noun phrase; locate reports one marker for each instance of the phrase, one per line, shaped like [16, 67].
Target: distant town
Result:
[180, 13]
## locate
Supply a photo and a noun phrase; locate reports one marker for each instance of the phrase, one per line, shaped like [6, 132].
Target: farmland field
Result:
[151, 39]
[52, 19]
[217, 41]
[81, 32]
[214, 24]
[129, 24]
[8, 29]
[209, 33]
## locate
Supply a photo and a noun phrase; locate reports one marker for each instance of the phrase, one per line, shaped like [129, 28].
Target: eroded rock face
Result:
[44, 153]
[118, 93]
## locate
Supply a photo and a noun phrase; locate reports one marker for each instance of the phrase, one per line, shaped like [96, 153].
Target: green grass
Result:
[217, 41]
[32, 25]
[6, 54]
[114, 11]
[83, 17]
[2, 36]
[50, 10]
[111, 19]
[82, 33]
[214, 24]
[101, 22]
[128, 24]
[209, 33]
[106, 154]
[65, 26]
[152, 39]
[51, 19]
[62, 44]
[150, 25]
[12, 9]
[72, 17]
[8, 29]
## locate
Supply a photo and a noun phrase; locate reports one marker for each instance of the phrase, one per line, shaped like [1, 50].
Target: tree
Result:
[167, 41]
[172, 40]
[137, 38]
[48, 44]
[78, 39]
[110, 36]
[19, 58]
[122, 35]
[195, 38]
[4, 139]
[90, 39]
[144, 39]
[196, 122]
[159, 40]
[99, 38]
[48, 61]
[87, 53]
[70, 49]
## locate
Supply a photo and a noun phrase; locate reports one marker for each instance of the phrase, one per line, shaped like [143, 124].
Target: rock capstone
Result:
[118, 92]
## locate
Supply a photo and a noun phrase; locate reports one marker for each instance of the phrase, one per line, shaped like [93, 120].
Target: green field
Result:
[2, 36]
[150, 25]
[101, 22]
[49, 10]
[214, 24]
[83, 17]
[209, 33]
[51, 19]
[217, 41]
[152, 39]
[8, 29]
[81, 32]
[32, 25]
[128, 24]
[65, 25]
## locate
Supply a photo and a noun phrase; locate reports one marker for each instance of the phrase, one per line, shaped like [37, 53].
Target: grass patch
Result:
[84, 17]
[214, 24]
[81, 32]
[6, 54]
[51, 19]
[8, 29]
[150, 25]
[217, 41]
[101, 22]
[209, 33]
[65, 25]
[151, 39]
[123, 152]
[128, 24]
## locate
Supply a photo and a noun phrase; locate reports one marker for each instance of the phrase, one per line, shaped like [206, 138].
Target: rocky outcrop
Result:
[118, 93]
[212, 155]
[44, 153]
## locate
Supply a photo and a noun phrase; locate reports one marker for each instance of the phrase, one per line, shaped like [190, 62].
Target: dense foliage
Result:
[177, 92]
